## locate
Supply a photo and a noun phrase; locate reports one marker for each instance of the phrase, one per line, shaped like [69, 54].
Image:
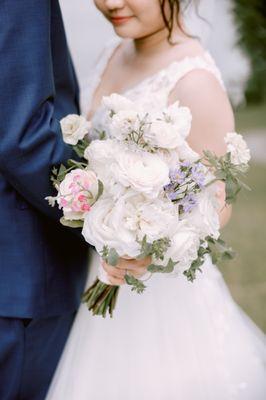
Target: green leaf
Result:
[153, 268]
[219, 250]
[61, 173]
[220, 174]
[104, 253]
[113, 257]
[81, 146]
[145, 249]
[72, 224]
[100, 190]
[231, 189]
[137, 285]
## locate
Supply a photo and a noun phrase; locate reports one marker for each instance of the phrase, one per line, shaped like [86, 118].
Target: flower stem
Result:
[101, 298]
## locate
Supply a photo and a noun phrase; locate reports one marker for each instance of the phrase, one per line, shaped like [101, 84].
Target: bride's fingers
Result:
[113, 271]
[138, 272]
[133, 264]
[116, 281]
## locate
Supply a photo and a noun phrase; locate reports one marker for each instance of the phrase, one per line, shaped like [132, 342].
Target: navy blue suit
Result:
[42, 264]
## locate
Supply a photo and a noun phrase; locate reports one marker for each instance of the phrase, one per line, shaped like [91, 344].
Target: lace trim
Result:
[166, 79]
[161, 82]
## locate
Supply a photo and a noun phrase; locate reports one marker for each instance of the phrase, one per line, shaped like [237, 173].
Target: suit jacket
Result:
[42, 264]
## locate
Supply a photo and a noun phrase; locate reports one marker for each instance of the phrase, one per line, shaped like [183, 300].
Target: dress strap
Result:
[177, 70]
[96, 75]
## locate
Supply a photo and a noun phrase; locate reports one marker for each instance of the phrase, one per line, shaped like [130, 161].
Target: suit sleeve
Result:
[30, 136]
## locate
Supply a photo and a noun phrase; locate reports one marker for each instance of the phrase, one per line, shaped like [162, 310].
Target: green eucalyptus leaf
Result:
[220, 174]
[113, 257]
[137, 285]
[72, 224]
[153, 268]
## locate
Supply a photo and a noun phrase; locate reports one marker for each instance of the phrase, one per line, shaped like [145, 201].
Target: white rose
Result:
[120, 223]
[236, 145]
[105, 225]
[101, 155]
[74, 128]
[204, 216]
[116, 103]
[142, 171]
[184, 246]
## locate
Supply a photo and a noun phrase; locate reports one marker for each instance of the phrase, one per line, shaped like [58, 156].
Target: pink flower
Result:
[77, 193]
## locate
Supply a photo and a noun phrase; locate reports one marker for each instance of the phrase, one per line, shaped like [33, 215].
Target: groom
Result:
[42, 264]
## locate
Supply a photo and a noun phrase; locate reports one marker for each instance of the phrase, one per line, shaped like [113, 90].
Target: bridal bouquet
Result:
[140, 190]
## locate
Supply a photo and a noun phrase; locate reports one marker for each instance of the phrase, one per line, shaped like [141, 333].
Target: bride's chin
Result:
[128, 31]
[124, 32]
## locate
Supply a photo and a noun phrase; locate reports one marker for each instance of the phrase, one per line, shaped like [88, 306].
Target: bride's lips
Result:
[119, 20]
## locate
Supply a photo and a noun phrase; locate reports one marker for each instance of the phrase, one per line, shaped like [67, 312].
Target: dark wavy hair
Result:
[175, 8]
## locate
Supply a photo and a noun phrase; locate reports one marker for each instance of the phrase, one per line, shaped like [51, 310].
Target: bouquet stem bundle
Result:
[101, 298]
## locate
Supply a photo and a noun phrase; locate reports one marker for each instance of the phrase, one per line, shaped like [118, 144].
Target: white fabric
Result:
[176, 341]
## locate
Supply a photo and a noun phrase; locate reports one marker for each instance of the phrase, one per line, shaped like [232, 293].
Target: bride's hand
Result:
[131, 266]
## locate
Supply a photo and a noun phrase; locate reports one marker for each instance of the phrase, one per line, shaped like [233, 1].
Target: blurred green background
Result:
[246, 232]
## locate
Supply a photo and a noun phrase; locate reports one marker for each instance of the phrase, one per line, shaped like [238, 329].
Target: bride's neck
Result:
[157, 42]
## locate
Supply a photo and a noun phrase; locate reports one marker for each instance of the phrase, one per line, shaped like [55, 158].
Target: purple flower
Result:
[176, 175]
[168, 187]
[198, 175]
[185, 164]
[188, 202]
[173, 195]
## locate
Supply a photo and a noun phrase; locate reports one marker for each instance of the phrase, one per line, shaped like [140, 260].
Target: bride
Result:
[192, 342]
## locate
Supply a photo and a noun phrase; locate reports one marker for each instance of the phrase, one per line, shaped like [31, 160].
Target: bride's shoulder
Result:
[201, 89]
[201, 81]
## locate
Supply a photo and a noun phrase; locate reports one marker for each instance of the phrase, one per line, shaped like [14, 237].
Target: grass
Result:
[246, 232]
[252, 117]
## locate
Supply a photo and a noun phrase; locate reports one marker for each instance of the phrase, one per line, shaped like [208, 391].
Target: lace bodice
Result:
[152, 92]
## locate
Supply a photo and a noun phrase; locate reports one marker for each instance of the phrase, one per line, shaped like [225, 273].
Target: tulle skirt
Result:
[176, 341]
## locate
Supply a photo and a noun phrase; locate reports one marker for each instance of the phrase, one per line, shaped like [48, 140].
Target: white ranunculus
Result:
[144, 172]
[204, 216]
[74, 128]
[184, 246]
[169, 128]
[180, 117]
[122, 123]
[162, 134]
[156, 219]
[102, 152]
[180, 153]
[236, 145]
[170, 157]
[106, 226]
[186, 153]
[116, 103]
[119, 223]
[101, 155]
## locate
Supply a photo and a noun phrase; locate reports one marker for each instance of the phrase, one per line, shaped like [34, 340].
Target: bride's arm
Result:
[212, 118]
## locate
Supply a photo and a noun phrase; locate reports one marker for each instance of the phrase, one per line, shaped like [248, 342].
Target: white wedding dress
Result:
[176, 341]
